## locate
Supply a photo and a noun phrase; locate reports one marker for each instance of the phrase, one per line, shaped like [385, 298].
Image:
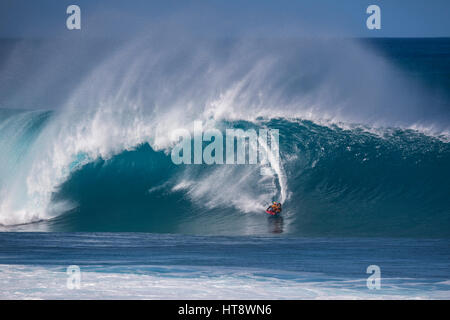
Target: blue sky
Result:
[400, 18]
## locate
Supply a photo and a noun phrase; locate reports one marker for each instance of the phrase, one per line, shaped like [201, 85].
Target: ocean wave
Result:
[338, 182]
[357, 154]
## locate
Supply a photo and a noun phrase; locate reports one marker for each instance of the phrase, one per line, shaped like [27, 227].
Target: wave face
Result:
[338, 182]
[350, 166]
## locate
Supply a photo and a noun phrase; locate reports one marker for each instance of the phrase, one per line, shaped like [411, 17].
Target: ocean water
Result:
[86, 176]
[161, 266]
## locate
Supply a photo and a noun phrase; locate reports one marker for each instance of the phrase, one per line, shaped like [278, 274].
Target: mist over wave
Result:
[359, 153]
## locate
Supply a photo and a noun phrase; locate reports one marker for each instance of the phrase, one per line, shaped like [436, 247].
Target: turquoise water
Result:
[363, 172]
[341, 182]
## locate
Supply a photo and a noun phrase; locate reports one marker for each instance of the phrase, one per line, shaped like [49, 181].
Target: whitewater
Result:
[350, 154]
[156, 266]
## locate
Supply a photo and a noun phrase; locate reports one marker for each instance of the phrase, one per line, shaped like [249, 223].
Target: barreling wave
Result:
[350, 165]
[338, 182]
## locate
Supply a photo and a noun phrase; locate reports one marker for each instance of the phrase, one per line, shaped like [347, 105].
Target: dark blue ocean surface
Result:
[333, 267]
